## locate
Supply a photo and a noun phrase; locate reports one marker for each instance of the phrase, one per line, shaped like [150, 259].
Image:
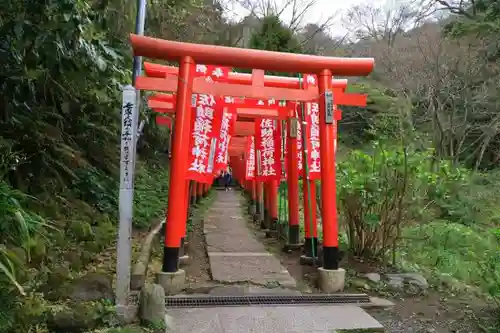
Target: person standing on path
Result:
[227, 178]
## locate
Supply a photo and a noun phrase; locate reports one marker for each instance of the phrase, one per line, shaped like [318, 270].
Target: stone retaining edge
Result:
[140, 268]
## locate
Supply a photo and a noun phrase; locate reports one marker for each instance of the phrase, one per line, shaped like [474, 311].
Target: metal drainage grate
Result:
[255, 300]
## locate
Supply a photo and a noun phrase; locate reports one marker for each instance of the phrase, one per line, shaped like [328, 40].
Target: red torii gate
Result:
[164, 103]
[162, 71]
[245, 129]
[270, 212]
[184, 85]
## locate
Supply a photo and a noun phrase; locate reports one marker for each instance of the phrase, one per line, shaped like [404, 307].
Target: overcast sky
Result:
[320, 12]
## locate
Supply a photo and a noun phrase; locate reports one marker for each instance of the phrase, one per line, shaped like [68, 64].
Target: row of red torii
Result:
[213, 128]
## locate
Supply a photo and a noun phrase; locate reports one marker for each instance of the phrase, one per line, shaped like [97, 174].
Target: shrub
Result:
[490, 267]
[382, 190]
[150, 191]
[19, 226]
[21, 229]
[451, 249]
[96, 188]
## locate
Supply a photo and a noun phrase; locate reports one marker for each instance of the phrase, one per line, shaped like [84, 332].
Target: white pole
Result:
[130, 118]
[140, 22]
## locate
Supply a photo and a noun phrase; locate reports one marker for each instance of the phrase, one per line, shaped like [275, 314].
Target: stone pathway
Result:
[234, 254]
[273, 319]
[243, 266]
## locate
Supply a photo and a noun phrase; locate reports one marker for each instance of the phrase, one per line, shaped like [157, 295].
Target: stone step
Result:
[271, 319]
[250, 267]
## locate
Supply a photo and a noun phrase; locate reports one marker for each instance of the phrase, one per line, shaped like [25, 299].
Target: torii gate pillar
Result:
[272, 208]
[293, 241]
[265, 190]
[331, 278]
[183, 257]
[193, 192]
[253, 189]
[259, 203]
[177, 193]
[199, 192]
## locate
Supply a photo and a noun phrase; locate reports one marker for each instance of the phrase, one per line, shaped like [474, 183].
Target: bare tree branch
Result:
[459, 7]
[297, 9]
[382, 23]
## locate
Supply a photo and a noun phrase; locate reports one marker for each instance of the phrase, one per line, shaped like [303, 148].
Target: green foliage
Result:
[458, 256]
[54, 117]
[151, 191]
[436, 218]
[274, 36]
[379, 119]
[490, 266]
[86, 237]
[478, 18]
[19, 228]
[473, 202]
[370, 193]
[96, 188]
[63, 63]
[21, 314]
[382, 190]
[82, 231]
[449, 249]
[197, 211]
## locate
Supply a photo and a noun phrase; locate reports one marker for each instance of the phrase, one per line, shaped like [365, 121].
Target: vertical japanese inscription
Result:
[205, 151]
[201, 134]
[251, 159]
[299, 147]
[268, 147]
[282, 132]
[211, 156]
[283, 140]
[224, 138]
[312, 143]
[128, 138]
[313, 112]
[328, 107]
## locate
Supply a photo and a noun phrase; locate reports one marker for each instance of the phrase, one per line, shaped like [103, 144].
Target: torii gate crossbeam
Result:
[248, 58]
[161, 71]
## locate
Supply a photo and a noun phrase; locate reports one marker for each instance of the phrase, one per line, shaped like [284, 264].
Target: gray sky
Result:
[320, 12]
